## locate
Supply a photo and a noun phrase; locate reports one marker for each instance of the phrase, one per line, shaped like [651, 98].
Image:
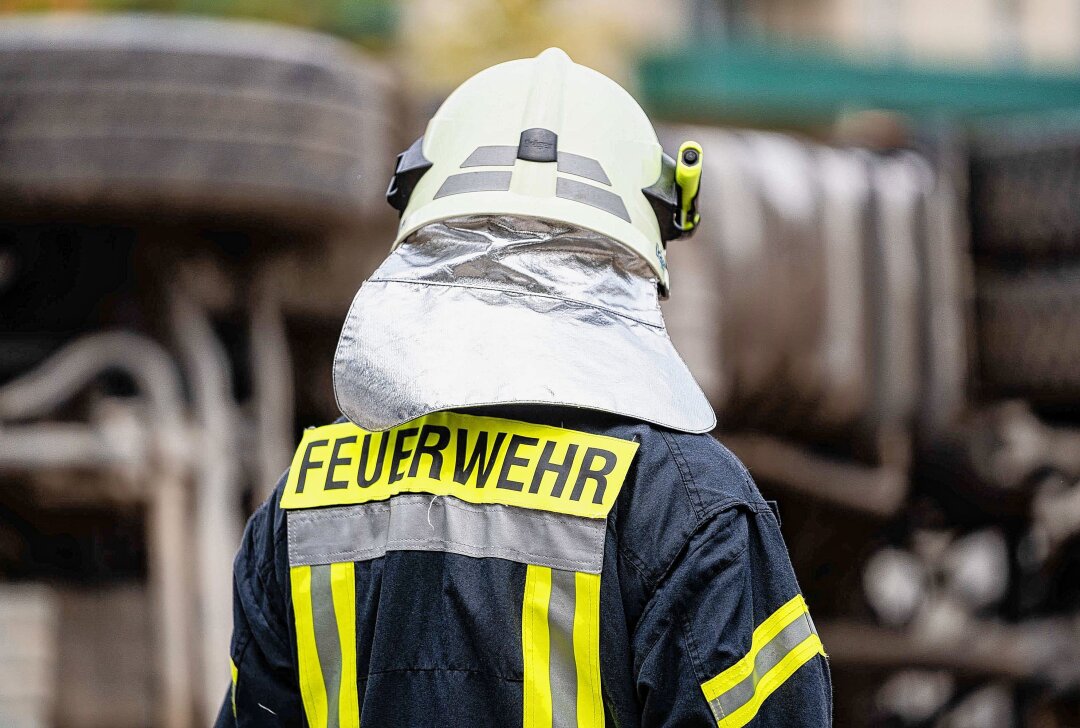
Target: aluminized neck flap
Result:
[498, 310]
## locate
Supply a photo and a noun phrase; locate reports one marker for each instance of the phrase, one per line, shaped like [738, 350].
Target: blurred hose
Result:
[27, 447]
[877, 491]
[57, 380]
[984, 649]
[153, 372]
[272, 381]
[217, 488]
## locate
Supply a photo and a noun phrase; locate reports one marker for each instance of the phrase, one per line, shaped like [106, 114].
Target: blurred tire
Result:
[191, 117]
[1024, 187]
[1029, 333]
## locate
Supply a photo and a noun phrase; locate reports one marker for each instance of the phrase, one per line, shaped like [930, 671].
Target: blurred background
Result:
[883, 305]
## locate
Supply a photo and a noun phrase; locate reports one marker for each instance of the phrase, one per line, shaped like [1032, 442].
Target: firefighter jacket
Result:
[533, 567]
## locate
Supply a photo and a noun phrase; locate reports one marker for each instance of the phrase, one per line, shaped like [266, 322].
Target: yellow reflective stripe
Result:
[561, 684]
[234, 672]
[343, 587]
[768, 629]
[312, 689]
[773, 679]
[535, 646]
[590, 706]
[780, 645]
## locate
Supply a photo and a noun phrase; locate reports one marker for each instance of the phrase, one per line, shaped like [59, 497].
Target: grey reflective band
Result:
[580, 166]
[327, 641]
[768, 657]
[494, 156]
[429, 523]
[458, 184]
[562, 665]
[570, 189]
[568, 163]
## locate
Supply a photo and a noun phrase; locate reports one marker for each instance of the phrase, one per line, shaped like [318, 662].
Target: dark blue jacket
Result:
[700, 618]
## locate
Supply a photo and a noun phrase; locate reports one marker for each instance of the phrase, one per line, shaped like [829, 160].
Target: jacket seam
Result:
[692, 649]
[486, 673]
[241, 649]
[691, 645]
[637, 565]
[714, 511]
[613, 518]
[389, 546]
[262, 576]
[238, 661]
[685, 474]
[733, 502]
[723, 564]
[349, 511]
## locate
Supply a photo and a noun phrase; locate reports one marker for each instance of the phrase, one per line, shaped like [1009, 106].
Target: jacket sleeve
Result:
[726, 639]
[264, 691]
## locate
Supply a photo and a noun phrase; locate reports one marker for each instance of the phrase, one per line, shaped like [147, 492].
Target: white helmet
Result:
[545, 137]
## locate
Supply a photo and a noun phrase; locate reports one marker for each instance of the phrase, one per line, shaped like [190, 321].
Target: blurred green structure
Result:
[371, 22]
[781, 85]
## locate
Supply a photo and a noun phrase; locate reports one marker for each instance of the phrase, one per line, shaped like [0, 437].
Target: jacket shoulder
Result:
[715, 478]
[678, 485]
[708, 475]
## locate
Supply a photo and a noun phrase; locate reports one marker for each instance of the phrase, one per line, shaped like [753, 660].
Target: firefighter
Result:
[521, 519]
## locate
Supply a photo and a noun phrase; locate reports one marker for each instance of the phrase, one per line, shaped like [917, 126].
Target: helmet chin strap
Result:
[411, 166]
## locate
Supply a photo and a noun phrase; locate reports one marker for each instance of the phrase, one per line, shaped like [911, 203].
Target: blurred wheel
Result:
[1029, 333]
[182, 117]
[1024, 187]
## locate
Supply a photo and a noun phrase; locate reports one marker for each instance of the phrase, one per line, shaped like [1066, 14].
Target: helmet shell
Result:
[543, 137]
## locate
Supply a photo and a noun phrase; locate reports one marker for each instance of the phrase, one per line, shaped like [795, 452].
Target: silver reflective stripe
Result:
[458, 184]
[570, 189]
[429, 523]
[766, 659]
[568, 163]
[563, 667]
[580, 166]
[492, 157]
[327, 641]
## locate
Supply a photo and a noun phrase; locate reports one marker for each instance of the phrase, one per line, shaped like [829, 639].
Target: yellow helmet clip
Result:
[688, 179]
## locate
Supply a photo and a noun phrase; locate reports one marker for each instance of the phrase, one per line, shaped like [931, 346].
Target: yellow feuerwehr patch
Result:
[476, 459]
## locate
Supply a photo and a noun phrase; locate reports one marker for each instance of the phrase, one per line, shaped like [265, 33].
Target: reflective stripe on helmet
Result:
[569, 189]
[460, 184]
